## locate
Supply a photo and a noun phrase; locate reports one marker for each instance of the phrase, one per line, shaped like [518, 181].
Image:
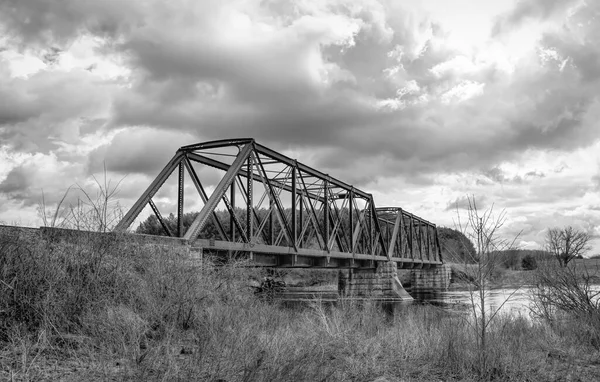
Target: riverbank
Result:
[119, 312]
[463, 274]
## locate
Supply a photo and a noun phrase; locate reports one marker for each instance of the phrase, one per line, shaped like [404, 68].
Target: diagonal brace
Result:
[139, 205]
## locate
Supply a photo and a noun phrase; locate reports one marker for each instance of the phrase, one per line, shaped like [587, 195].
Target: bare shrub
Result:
[96, 210]
[566, 297]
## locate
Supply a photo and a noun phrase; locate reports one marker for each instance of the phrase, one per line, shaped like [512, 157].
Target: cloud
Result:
[596, 182]
[39, 177]
[466, 202]
[50, 106]
[297, 76]
[535, 174]
[529, 9]
[137, 151]
[371, 92]
[40, 24]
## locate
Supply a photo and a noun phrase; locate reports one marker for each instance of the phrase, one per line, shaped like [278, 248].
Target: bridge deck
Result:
[280, 256]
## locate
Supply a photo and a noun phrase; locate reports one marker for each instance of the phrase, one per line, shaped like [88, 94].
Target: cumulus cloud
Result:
[50, 106]
[39, 177]
[298, 74]
[367, 90]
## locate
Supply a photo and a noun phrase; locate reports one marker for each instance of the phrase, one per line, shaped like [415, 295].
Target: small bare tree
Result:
[482, 228]
[567, 243]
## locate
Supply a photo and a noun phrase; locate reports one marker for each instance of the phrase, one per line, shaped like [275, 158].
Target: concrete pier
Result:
[380, 283]
[427, 283]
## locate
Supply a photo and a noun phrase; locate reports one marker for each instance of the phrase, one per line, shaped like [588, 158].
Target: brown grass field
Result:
[114, 312]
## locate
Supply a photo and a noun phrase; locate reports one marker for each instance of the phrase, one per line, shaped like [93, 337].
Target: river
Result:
[515, 301]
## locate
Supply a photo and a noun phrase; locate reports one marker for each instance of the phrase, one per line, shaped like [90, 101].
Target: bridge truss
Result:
[280, 212]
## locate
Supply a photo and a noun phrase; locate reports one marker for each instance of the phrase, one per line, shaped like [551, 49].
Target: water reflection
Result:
[505, 300]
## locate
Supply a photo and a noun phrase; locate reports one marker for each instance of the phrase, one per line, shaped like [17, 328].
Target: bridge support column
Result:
[427, 283]
[380, 283]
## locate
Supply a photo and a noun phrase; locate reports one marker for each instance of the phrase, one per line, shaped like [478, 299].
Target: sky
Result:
[421, 103]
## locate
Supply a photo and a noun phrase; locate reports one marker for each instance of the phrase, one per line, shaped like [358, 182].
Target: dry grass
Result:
[106, 310]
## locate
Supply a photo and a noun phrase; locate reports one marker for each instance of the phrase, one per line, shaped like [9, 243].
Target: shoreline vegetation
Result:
[518, 278]
[112, 311]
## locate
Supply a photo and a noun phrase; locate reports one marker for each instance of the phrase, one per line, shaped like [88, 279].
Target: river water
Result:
[515, 301]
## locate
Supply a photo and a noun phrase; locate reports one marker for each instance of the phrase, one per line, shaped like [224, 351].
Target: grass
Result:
[109, 310]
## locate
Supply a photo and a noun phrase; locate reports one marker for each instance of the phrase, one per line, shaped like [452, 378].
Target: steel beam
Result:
[217, 144]
[160, 218]
[249, 201]
[180, 201]
[294, 237]
[392, 241]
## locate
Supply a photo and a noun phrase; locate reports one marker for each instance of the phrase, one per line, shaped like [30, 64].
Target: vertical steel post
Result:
[180, 232]
[401, 233]
[411, 238]
[294, 237]
[370, 226]
[439, 248]
[427, 240]
[271, 225]
[301, 219]
[232, 212]
[326, 212]
[249, 198]
[351, 219]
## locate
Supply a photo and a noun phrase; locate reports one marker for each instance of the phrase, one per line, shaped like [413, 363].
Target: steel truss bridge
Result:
[279, 212]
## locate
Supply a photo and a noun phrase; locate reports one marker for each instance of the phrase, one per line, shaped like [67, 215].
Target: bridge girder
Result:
[281, 208]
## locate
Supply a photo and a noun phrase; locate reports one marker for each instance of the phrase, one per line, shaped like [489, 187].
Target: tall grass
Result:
[108, 309]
